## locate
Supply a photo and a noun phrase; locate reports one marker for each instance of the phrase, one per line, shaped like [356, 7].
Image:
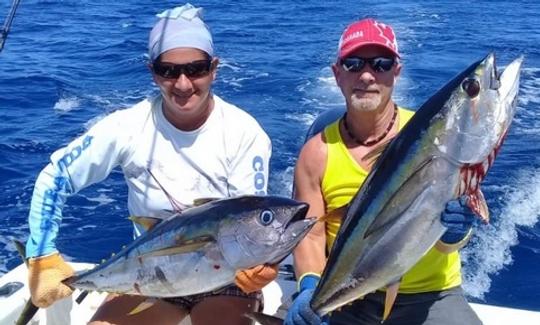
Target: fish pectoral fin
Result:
[143, 306]
[203, 200]
[477, 203]
[337, 213]
[146, 222]
[182, 247]
[391, 294]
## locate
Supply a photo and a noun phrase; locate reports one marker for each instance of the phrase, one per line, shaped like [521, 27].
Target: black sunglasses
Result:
[195, 69]
[378, 64]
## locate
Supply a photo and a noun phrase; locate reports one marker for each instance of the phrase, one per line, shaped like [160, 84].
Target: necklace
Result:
[374, 141]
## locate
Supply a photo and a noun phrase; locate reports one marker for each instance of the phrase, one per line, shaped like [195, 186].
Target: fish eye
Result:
[471, 87]
[266, 217]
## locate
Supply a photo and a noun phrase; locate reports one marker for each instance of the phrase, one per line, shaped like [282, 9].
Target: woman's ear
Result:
[213, 67]
[154, 77]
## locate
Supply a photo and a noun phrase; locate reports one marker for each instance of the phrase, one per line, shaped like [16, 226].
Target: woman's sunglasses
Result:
[195, 69]
[378, 64]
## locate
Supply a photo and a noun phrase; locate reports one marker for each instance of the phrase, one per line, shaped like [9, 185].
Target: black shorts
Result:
[188, 302]
[447, 307]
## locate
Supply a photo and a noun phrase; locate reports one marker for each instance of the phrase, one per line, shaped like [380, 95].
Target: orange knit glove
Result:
[256, 278]
[45, 275]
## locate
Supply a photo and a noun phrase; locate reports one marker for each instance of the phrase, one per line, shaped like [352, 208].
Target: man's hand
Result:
[45, 275]
[458, 218]
[256, 278]
[300, 313]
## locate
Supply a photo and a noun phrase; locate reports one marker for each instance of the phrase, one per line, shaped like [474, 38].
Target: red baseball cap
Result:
[367, 32]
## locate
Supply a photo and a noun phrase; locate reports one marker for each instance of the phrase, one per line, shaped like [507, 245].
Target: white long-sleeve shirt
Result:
[227, 156]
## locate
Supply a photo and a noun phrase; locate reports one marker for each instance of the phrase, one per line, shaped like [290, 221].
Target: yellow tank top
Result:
[342, 179]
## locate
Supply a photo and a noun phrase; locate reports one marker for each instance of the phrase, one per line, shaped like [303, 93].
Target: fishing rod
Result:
[7, 23]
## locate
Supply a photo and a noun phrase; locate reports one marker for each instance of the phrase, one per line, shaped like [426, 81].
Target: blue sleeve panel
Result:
[50, 193]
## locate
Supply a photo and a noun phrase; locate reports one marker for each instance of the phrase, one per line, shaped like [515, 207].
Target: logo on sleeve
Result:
[75, 153]
[259, 179]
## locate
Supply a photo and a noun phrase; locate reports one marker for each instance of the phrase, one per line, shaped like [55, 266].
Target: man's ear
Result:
[336, 71]
[397, 71]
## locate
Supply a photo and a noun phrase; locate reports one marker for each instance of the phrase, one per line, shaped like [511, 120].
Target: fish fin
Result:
[21, 249]
[372, 156]
[337, 213]
[263, 319]
[477, 203]
[203, 200]
[146, 222]
[184, 247]
[143, 306]
[391, 294]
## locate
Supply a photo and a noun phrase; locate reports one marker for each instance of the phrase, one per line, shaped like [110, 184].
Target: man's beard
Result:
[365, 104]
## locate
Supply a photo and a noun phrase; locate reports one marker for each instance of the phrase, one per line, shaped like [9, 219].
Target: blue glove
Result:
[458, 218]
[300, 313]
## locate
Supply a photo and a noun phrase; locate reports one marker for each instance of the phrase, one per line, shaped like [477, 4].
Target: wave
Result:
[67, 104]
[490, 249]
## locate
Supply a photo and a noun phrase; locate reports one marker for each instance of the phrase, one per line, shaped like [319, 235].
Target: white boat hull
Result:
[67, 311]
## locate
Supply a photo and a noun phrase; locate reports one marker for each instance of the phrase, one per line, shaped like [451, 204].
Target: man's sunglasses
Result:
[378, 64]
[195, 69]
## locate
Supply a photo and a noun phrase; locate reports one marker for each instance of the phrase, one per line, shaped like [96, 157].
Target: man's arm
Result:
[309, 255]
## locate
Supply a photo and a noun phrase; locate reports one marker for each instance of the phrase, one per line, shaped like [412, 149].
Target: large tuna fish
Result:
[443, 153]
[201, 248]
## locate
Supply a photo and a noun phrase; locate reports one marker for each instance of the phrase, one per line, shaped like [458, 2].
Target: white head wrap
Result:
[180, 27]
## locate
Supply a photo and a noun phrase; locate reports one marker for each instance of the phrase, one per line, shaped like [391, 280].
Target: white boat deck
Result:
[67, 311]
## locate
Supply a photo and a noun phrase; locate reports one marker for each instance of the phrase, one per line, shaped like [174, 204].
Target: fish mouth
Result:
[509, 79]
[293, 234]
[498, 80]
[301, 212]
[490, 65]
[298, 226]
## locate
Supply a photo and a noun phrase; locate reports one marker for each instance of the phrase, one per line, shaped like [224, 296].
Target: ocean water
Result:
[68, 63]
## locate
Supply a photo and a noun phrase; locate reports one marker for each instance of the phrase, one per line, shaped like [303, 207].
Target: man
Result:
[184, 144]
[331, 169]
